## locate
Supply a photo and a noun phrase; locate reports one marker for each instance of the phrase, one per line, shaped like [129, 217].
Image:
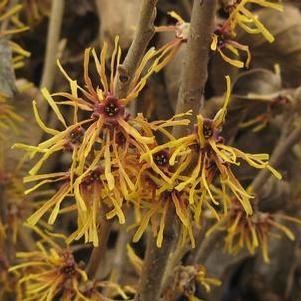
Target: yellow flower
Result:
[90, 195]
[109, 127]
[181, 30]
[8, 117]
[223, 39]
[155, 194]
[48, 272]
[244, 18]
[273, 104]
[51, 272]
[252, 232]
[19, 54]
[104, 146]
[154, 210]
[63, 179]
[213, 160]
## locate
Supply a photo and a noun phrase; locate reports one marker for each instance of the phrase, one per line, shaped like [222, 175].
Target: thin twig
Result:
[144, 34]
[53, 37]
[120, 253]
[155, 263]
[98, 253]
[279, 154]
[173, 262]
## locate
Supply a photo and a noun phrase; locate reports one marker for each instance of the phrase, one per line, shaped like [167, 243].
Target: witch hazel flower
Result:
[211, 160]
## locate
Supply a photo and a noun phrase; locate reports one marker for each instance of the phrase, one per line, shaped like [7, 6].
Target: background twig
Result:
[144, 33]
[155, 262]
[98, 253]
[53, 36]
[279, 153]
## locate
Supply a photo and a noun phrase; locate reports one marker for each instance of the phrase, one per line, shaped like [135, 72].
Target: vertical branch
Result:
[8, 247]
[193, 80]
[155, 262]
[53, 36]
[194, 74]
[144, 33]
[98, 253]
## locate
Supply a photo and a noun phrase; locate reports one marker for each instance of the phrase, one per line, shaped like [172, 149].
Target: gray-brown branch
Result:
[144, 33]
[155, 263]
[195, 73]
[53, 36]
[98, 253]
[279, 154]
[193, 80]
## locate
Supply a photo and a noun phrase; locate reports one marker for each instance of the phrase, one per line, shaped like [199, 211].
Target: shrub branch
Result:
[193, 80]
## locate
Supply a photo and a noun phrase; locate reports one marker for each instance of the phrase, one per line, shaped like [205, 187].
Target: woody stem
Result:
[97, 255]
[285, 143]
[53, 36]
[190, 97]
[144, 33]
[155, 262]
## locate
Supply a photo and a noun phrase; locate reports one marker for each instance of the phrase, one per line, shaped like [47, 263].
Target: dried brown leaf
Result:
[118, 17]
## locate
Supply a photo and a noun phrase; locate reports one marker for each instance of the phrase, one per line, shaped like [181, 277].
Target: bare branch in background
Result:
[53, 37]
[144, 34]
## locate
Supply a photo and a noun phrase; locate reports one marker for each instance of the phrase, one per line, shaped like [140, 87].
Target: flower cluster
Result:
[51, 272]
[223, 39]
[252, 232]
[187, 173]
[115, 160]
[115, 163]
[104, 142]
